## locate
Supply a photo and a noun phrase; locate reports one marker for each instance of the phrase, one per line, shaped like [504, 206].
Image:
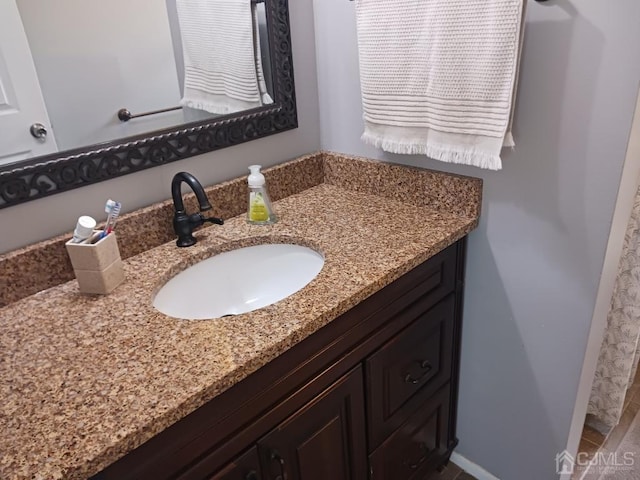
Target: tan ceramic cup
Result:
[98, 266]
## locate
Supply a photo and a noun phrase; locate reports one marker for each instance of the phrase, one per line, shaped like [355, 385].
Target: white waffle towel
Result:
[223, 66]
[438, 77]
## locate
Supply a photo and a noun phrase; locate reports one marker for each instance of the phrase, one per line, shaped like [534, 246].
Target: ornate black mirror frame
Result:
[56, 173]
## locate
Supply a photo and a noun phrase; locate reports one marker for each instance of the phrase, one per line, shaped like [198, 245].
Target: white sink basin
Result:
[238, 281]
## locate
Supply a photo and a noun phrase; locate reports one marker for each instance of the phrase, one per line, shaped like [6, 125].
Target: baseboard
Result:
[472, 468]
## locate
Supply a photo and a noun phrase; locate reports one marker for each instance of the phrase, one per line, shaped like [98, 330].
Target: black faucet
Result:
[184, 224]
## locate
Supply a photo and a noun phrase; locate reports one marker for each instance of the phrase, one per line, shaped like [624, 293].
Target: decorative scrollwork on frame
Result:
[51, 174]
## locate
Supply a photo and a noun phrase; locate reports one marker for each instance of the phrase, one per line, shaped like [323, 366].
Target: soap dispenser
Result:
[260, 211]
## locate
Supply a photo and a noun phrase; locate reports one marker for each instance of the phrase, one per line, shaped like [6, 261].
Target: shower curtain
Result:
[620, 350]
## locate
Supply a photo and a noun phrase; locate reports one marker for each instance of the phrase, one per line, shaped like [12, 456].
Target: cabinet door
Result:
[418, 446]
[245, 467]
[323, 440]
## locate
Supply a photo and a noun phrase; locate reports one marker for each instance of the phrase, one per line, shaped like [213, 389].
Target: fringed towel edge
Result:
[444, 153]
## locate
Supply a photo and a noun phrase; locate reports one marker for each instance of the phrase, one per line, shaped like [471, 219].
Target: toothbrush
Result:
[112, 208]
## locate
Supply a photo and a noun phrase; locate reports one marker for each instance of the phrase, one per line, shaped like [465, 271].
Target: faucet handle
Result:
[217, 221]
[184, 224]
[197, 219]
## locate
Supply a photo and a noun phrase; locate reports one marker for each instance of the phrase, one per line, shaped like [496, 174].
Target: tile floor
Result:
[593, 441]
[451, 472]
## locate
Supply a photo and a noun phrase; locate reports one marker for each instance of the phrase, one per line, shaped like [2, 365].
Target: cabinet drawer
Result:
[417, 446]
[405, 371]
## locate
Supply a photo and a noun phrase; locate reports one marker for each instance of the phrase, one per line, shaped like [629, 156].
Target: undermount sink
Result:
[238, 281]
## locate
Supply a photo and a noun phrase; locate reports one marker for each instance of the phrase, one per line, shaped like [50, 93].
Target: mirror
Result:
[93, 90]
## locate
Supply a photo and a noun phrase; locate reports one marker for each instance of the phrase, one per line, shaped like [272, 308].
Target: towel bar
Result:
[125, 115]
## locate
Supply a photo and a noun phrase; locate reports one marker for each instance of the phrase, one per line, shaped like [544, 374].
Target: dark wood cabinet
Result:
[408, 369]
[418, 446]
[323, 440]
[371, 395]
[246, 467]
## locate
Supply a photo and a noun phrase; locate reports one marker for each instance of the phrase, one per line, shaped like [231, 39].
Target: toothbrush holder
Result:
[98, 266]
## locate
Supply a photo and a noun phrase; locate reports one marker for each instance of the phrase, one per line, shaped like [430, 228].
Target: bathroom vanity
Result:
[355, 376]
[371, 394]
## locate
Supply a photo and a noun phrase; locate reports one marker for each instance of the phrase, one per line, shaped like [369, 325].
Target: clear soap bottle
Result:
[260, 211]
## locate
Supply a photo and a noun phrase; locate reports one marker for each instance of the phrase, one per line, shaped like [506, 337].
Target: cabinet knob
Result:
[275, 457]
[424, 449]
[252, 475]
[425, 366]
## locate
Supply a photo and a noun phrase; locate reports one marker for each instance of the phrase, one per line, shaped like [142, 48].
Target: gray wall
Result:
[536, 258]
[41, 219]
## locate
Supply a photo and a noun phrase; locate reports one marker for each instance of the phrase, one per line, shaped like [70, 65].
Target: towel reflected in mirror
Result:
[223, 70]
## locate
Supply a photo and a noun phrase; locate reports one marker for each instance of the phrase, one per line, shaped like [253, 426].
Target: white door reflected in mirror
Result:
[21, 102]
[90, 59]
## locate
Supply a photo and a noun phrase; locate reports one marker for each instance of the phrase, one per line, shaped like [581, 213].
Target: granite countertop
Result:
[86, 379]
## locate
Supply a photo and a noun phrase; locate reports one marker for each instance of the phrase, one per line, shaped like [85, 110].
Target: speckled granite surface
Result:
[86, 379]
[417, 186]
[28, 270]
